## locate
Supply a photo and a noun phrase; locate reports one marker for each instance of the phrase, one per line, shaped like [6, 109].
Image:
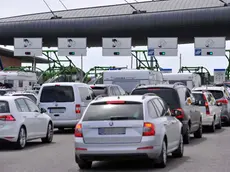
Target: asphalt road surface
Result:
[209, 154]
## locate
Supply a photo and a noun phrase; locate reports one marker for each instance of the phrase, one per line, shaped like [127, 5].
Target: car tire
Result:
[162, 159]
[49, 134]
[199, 132]
[186, 136]
[21, 142]
[83, 164]
[219, 125]
[213, 127]
[179, 152]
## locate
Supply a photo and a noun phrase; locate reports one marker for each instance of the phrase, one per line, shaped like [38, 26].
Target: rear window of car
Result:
[100, 91]
[4, 107]
[103, 111]
[169, 95]
[57, 94]
[199, 98]
[217, 94]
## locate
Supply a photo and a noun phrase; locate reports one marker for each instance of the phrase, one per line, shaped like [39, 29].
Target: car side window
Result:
[152, 111]
[92, 93]
[159, 106]
[121, 90]
[21, 105]
[165, 106]
[116, 90]
[32, 106]
[112, 91]
[84, 93]
[181, 93]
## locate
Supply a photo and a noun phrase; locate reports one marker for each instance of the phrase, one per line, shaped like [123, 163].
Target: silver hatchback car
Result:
[127, 127]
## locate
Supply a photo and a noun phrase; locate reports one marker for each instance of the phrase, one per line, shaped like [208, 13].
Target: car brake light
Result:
[92, 86]
[207, 108]
[148, 129]
[7, 118]
[57, 85]
[116, 102]
[179, 113]
[150, 89]
[78, 131]
[223, 101]
[78, 109]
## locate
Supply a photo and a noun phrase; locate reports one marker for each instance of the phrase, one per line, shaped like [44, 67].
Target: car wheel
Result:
[198, 133]
[21, 142]
[162, 160]
[49, 134]
[83, 164]
[213, 127]
[186, 136]
[219, 125]
[180, 150]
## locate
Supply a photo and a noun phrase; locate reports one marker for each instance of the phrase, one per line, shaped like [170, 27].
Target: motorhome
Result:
[18, 80]
[128, 79]
[191, 80]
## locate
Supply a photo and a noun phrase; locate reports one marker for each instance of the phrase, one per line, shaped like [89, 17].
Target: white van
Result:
[128, 79]
[65, 102]
[191, 80]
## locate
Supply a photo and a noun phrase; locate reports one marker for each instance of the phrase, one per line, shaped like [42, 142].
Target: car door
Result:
[166, 122]
[41, 121]
[175, 129]
[29, 117]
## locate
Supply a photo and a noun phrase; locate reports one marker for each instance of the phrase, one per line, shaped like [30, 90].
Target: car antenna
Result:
[62, 3]
[54, 15]
[136, 10]
[118, 97]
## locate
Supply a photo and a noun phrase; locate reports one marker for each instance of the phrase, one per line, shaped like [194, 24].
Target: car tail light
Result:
[7, 118]
[223, 101]
[179, 113]
[78, 130]
[116, 102]
[78, 109]
[148, 129]
[207, 108]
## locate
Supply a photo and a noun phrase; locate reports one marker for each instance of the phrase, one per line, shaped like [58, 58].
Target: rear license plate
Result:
[57, 110]
[111, 131]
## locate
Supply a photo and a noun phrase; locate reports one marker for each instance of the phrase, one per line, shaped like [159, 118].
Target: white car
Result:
[210, 111]
[21, 121]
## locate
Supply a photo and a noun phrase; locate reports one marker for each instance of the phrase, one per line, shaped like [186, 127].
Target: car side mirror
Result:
[43, 110]
[176, 113]
[88, 98]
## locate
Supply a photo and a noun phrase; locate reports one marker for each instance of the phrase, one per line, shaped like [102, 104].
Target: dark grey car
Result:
[177, 96]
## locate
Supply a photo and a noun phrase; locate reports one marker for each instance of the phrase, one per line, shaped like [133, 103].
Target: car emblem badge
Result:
[111, 124]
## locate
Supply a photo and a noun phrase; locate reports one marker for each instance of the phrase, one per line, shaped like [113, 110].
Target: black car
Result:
[107, 90]
[179, 99]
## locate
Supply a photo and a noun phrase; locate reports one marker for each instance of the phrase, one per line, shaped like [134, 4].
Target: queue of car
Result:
[151, 122]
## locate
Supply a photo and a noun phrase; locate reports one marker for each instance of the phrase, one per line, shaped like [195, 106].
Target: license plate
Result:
[57, 110]
[111, 131]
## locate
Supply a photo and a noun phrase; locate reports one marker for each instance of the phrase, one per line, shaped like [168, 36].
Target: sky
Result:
[94, 55]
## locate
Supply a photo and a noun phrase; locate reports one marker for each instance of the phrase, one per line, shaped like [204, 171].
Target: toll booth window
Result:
[20, 83]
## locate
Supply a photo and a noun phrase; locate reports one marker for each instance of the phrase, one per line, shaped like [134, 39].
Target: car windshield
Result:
[4, 107]
[57, 94]
[199, 99]
[169, 95]
[100, 91]
[103, 111]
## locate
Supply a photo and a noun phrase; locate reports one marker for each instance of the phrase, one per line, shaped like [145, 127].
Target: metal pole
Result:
[151, 62]
[82, 67]
[131, 62]
[180, 61]
[34, 64]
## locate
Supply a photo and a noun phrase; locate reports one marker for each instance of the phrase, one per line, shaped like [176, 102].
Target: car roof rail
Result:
[178, 83]
[98, 97]
[148, 94]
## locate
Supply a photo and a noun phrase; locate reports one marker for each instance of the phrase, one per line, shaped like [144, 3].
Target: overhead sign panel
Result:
[27, 46]
[166, 70]
[219, 75]
[209, 46]
[72, 46]
[162, 46]
[116, 46]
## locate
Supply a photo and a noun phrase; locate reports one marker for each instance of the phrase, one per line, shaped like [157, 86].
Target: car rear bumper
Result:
[98, 152]
[65, 123]
[9, 132]
[207, 120]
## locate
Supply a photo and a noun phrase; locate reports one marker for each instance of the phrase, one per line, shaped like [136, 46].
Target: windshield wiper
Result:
[121, 118]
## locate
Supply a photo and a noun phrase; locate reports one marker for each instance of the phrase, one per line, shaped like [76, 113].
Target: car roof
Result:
[159, 85]
[209, 88]
[65, 84]
[102, 85]
[133, 98]
[10, 98]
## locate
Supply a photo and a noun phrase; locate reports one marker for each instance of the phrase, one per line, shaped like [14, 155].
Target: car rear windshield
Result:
[169, 95]
[57, 94]
[199, 98]
[216, 93]
[103, 111]
[4, 107]
[100, 91]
